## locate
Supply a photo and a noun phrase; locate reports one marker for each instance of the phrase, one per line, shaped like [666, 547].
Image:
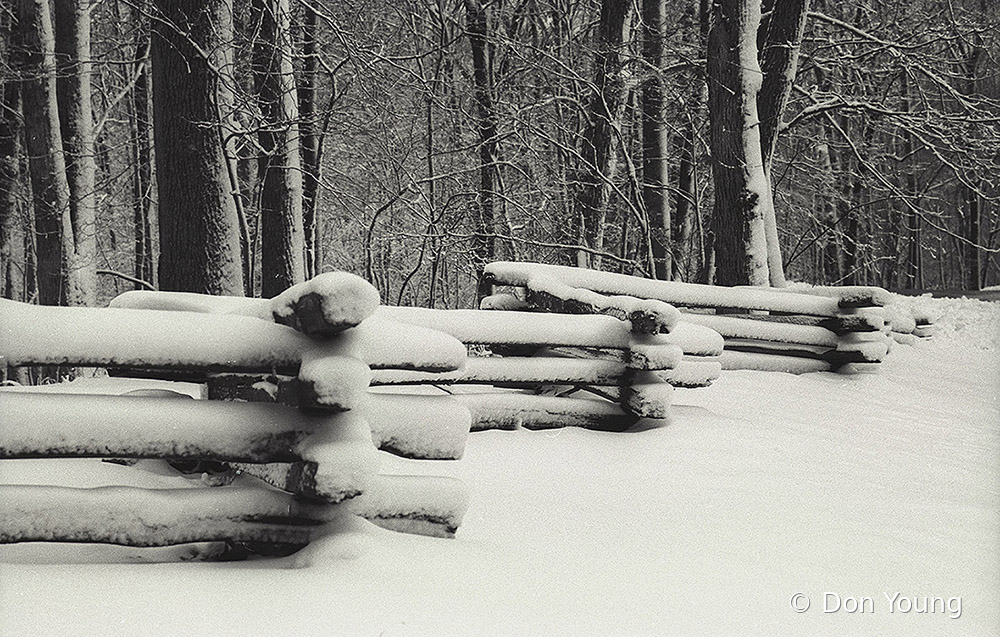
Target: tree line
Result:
[238, 146]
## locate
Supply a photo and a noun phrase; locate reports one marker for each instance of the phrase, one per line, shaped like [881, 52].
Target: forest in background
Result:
[237, 146]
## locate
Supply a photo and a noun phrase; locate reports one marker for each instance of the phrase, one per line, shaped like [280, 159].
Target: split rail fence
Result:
[845, 329]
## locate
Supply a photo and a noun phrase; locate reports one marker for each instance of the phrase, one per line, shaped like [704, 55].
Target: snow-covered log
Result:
[644, 354]
[131, 516]
[770, 362]
[694, 371]
[693, 339]
[647, 395]
[512, 410]
[325, 305]
[650, 353]
[849, 321]
[847, 295]
[671, 292]
[503, 302]
[336, 449]
[421, 505]
[150, 517]
[416, 427]
[108, 337]
[646, 316]
[737, 327]
[515, 328]
[513, 372]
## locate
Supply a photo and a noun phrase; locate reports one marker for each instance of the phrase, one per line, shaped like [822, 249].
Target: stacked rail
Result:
[543, 371]
[288, 381]
[842, 329]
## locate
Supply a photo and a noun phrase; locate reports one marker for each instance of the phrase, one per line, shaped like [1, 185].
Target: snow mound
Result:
[961, 322]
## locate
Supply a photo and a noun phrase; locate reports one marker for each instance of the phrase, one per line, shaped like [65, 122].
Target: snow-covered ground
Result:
[764, 491]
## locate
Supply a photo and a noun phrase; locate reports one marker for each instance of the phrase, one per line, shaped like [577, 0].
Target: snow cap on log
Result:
[672, 292]
[326, 304]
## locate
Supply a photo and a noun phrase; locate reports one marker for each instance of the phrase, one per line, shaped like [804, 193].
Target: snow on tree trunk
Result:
[73, 94]
[279, 166]
[199, 226]
[742, 190]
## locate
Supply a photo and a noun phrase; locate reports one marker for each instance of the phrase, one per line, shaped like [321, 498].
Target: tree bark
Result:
[655, 145]
[11, 217]
[142, 158]
[279, 166]
[686, 192]
[599, 148]
[46, 166]
[73, 71]
[742, 191]
[310, 142]
[782, 38]
[972, 199]
[484, 235]
[199, 227]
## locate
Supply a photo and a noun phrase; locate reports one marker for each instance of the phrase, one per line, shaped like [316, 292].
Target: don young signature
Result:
[893, 603]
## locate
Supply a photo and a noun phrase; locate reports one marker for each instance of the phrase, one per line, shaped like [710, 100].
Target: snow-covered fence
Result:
[548, 370]
[315, 350]
[798, 331]
[614, 376]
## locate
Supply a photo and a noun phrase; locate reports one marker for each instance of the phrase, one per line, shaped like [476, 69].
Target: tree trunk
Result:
[73, 70]
[655, 148]
[484, 234]
[686, 192]
[913, 270]
[199, 226]
[310, 143]
[742, 191]
[599, 146]
[782, 38]
[46, 166]
[973, 200]
[142, 158]
[11, 216]
[279, 167]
